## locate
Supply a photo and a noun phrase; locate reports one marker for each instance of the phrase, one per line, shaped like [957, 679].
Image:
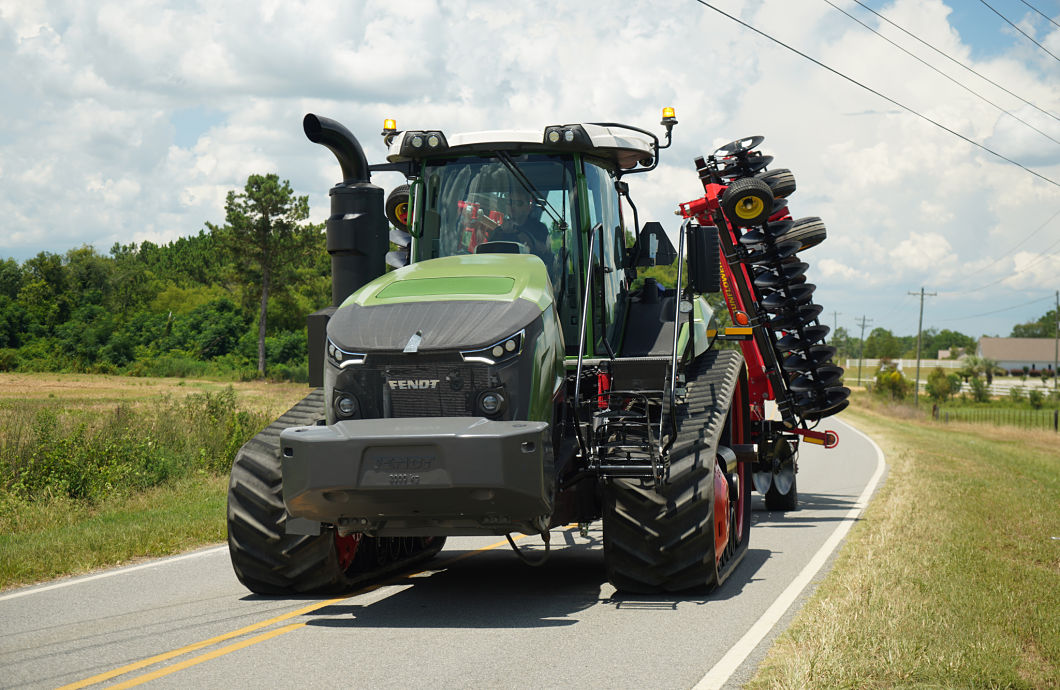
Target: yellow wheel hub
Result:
[749, 207]
[402, 212]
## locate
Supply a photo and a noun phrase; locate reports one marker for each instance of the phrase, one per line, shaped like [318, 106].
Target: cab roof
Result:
[623, 147]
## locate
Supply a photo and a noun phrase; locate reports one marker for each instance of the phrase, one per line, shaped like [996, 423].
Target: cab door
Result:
[609, 281]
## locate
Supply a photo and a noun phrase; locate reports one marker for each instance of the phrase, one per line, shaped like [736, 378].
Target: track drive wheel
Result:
[747, 202]
[669, 539]
[265, 558]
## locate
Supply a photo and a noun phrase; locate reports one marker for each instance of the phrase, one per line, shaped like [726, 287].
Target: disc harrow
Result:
[761, 256]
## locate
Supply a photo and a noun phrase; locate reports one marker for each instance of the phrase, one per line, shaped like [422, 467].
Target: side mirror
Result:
[653, 247]
[704, 260]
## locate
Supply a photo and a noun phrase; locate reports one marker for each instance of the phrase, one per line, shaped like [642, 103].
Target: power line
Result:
[1040, 12]
[936, 69]
[873, 91]
[956, 61]
[998, 311]
[1010, 251]
[1019, 29]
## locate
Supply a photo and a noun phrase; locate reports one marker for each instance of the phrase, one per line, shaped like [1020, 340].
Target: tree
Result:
[264, 238]
[1045, 327]
[975, 365]
[940, 385]
[846, 345]
[882, 344]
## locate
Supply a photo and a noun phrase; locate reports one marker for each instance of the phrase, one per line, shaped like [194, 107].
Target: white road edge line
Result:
[110, 573]
[716, 677]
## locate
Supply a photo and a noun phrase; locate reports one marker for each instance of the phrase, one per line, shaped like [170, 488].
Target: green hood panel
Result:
[489, 277]
[478, 286]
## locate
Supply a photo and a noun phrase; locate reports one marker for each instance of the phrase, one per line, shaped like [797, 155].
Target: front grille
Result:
[434, 390]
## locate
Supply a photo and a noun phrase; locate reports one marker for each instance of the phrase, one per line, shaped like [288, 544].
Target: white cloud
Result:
[90, 88]
[927, 251]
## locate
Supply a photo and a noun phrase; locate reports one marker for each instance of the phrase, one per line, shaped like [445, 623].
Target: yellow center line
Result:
[205, 643]
[187, 663]
[165, 656]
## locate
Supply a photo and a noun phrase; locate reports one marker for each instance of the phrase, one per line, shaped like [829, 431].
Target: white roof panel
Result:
[623, 146]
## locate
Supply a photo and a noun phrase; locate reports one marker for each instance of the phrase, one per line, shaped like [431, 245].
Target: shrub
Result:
[939, 385]
[980, 391]
[892, 383]
[1015, 394]
[8, 359]
[53, 452]
[1036, 398]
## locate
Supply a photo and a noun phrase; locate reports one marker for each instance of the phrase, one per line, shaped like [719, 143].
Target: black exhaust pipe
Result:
[327, 132]
[357, 230]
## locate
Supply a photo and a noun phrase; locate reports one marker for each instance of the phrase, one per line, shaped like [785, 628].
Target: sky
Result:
[129, 121]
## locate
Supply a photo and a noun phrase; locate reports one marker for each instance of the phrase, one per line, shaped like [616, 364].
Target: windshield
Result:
[507, 203]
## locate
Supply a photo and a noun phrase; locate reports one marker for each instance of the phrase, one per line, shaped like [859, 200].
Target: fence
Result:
[1024, 419]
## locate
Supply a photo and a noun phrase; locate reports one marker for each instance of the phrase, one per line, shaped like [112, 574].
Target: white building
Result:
[1017, 353]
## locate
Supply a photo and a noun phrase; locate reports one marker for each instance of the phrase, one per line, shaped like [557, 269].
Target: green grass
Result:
[952, 576]
[44, 539]
[96, 481]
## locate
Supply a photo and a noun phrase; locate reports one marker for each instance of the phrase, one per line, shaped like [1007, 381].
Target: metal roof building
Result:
[1015, 353]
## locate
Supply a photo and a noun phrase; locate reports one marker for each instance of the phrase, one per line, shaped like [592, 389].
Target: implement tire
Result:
[663, 540]
[265, 558]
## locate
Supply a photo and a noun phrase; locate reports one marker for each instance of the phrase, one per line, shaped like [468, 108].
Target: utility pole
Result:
[1056, 345]
[861, 350]
[919, 329]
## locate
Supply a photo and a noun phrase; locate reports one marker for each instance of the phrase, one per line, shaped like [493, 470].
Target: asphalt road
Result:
[477, 618]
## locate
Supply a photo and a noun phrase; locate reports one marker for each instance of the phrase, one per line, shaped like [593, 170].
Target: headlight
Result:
[346, 406]
[341, 358]
[499, 352]
[491, 403]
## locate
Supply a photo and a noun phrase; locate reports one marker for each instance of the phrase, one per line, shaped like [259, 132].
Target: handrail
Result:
[581, 337]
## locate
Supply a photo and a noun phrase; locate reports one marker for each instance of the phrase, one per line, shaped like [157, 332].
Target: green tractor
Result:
[503, 377]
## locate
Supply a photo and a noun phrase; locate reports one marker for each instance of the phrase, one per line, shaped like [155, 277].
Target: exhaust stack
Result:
[357, 228]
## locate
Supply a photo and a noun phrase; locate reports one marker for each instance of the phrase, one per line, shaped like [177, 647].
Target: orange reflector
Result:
[738, 331]
[741, 319]
[815, 441]
[390, 125]
[668, 112]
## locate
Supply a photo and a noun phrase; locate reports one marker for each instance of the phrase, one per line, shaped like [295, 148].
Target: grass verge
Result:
[62, 536]
[97, 471]
[952, 576]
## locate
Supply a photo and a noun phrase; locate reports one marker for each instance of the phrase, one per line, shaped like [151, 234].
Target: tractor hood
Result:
[457, 302]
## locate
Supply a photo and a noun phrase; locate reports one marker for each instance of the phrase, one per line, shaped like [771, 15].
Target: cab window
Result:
[610, 252]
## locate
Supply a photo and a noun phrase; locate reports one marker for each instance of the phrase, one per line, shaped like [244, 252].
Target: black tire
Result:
[783, 502]
[810, 232]
[397, 207]
[747, 202]
[265, 558]
[780, 180]
[662, 540]
[790, 500]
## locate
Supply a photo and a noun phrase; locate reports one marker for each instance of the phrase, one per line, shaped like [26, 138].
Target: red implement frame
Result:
[764, 376]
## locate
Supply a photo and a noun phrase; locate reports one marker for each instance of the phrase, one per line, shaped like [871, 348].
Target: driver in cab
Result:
[521, 227]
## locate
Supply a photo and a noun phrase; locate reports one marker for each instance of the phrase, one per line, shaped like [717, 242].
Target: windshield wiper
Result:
[522, 179]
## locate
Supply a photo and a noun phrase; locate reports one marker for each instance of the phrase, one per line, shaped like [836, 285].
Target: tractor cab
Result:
[541, 193]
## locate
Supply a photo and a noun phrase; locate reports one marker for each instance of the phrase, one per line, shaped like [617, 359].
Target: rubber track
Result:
[664, 540]
[265, 558]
